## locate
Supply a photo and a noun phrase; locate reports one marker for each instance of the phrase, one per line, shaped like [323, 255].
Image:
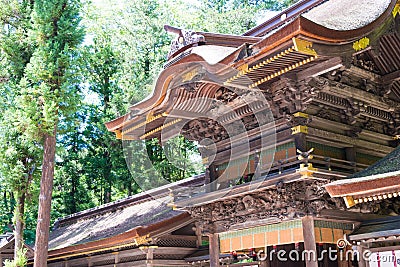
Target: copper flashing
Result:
[366, 189]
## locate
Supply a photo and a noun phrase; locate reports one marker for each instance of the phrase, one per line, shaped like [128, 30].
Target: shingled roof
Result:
[349, 15]
[377, 228]
[379, 181]
[388, 164]
[129, 217]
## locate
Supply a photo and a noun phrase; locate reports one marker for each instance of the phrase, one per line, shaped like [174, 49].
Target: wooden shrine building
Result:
[7, 245]
[136, 231]
[310, 97]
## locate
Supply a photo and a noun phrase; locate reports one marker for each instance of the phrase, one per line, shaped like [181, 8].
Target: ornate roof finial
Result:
[184, 38]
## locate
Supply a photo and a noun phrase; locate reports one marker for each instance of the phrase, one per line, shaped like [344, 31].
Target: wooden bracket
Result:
[300, 114]
[300, 129]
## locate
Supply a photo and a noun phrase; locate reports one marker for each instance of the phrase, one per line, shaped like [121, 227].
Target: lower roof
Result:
[120, 221]
[112, 223]
[378, 228]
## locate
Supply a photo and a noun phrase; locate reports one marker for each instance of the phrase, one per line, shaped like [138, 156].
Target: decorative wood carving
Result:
[225, 95]
[184, 38]
[191, 87]
[285, 201]
[200, 129]
[363, 61]
[288, 96]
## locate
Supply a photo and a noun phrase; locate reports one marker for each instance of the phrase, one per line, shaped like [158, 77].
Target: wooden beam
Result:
[348, 140]
[344, 91]
[320, 68]
[391, 77]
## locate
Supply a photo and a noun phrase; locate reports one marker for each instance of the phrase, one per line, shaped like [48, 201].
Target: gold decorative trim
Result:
[376, 197]
[148, 120]
[361, 44]
[299, 45]
[188, 76]
[282, 71]
[304, 46]
[300, 114]
[306, 171]
[243, 68]
[396, 9]
[140, 240]
[246, 69]
[300, 129]
[160, 128]
[349, 201]
[118, 134]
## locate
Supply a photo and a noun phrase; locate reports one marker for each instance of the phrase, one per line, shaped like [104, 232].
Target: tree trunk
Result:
[19, 224]
[46, 189]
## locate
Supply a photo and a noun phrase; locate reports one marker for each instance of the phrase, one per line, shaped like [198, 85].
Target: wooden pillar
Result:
[265, 263]
[309, 241]
[257, 165]
[351, 156]
[1, 260]
[199, 235]
[89, 261]
[149, 257]
[213, 177]
[300, 141]
[214, 249]
[116, 258]
[361, 260]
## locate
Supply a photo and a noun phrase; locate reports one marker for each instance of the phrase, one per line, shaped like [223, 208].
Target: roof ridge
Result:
[283, 16]
[161, 191]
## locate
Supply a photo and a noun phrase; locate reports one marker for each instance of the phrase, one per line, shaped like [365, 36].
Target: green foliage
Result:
[19, 156]
[48, 89]
[48, 79]
[20, 261]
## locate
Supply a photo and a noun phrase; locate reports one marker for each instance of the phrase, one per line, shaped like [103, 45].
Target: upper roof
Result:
[119, 221]
[302, 35]
[345, 15]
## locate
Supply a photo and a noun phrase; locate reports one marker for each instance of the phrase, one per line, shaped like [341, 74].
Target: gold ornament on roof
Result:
[188, 76]
[361, 44]
[396, 9]
[304, 46]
